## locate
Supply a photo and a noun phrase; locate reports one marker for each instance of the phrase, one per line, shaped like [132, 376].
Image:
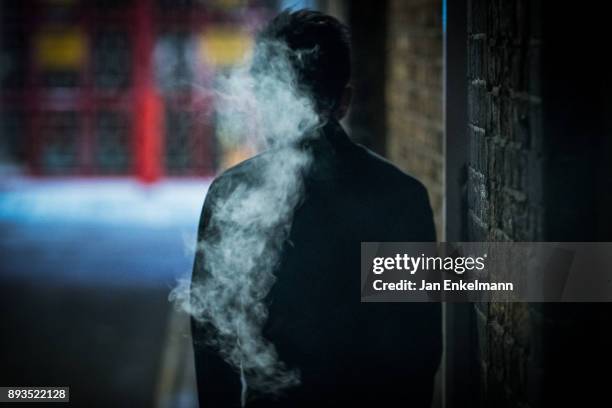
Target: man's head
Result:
[319, 52]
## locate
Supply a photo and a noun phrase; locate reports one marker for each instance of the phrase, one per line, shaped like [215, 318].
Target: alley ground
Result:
[86, 268]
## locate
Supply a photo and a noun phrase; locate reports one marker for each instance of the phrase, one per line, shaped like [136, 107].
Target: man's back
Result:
[345, 350]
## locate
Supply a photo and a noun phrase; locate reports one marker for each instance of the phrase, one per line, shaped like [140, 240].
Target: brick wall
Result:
[504, 177]
[413, 94]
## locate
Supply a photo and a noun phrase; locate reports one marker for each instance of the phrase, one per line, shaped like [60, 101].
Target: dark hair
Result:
[320, 52]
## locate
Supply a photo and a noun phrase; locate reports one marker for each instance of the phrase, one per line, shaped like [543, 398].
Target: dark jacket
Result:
[347, 352]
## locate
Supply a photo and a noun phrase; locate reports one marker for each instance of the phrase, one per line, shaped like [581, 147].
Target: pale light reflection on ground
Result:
[86, 267]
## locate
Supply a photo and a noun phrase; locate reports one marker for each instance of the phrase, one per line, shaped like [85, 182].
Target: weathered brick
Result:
[505, 137]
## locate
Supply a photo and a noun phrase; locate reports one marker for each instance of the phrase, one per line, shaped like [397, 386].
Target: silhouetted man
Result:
[348, 353]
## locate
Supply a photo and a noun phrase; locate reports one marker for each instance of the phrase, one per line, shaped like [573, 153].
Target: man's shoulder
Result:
[380, 171]
[246, 172]
[244, 169]
[369, 169]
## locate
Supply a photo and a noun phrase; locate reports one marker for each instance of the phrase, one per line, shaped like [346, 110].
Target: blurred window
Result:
[174, 61]
[59, 133]
[225, 46]
[12, 137]
[113, 143]
[111, 59]
[179, 148]
[60, 56]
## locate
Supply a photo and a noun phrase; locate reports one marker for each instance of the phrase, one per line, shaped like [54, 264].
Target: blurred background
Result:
[108, 142]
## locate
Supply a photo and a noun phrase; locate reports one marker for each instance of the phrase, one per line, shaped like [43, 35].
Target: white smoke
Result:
[251, 222]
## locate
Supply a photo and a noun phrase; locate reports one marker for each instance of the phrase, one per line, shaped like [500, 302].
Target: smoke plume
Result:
[267, 109]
